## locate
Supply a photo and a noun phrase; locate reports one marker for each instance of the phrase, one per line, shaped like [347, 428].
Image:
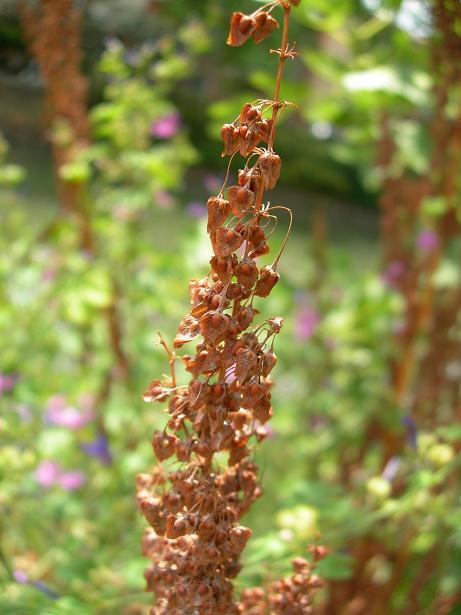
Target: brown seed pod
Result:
[265, 25]
[269, 360]
[250, 139]
[188, 329]
[270, 165]
[241, 28]
[230, 135]
[214, 325]
[249, 114]
[267, 280]
[223, 266]
[226, 241]
[246, 272]
[245, 316]
[156, 391]
[176, 526]
[240, 200]
[163, 445]
[218, 211]
[246, 362]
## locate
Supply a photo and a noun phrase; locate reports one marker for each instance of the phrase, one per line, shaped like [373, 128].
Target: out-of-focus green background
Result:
[161, 83]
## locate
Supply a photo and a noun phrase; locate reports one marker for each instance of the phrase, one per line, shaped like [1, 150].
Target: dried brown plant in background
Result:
[53, 30]
[194, 508]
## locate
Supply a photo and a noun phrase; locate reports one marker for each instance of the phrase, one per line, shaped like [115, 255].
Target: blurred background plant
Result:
[366, 442]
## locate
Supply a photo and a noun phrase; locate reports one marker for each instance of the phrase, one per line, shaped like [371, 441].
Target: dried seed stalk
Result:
[194, 510]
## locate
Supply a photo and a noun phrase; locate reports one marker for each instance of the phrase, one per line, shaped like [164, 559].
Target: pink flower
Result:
[20, 577]
[47, 473]
[427, 240]
[70, 481]
[393, 273]
[7, 382]
[166, 126]
[59, 413]
[306, 322]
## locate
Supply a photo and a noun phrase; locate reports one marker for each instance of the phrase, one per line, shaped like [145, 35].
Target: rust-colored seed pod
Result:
[231, 139]
[270, 165]
[267, 280]
[265, 25]
[240, 200]
[249, 114]
[218, 211]
[163, 445]
[214, 326]
[226, 241]
[223, 266]
[246, 272]
[241, 29]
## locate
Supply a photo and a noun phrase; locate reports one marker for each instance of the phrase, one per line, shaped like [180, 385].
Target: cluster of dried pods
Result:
[196, 539]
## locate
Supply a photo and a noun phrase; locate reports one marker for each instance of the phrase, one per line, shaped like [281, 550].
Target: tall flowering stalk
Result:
[194, 510]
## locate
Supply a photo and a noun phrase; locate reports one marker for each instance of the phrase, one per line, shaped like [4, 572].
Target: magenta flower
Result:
[306, 321]
[20, 577]
[50, 473]
[7, 382]
[195, 209]
[393, 273]
[47, 473]
[59, 413]
[70, 481]
[166, 126]
[427, 240]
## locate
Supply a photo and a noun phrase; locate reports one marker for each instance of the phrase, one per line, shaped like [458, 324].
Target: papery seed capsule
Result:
[218, 211]
[214, 326]
[246, 272]
[241, 29]
[230, 138]
[163, 445]
[265, 25]
[270, 165]
[240, 200]
[249, 113]
[226, 241]
[267, 280]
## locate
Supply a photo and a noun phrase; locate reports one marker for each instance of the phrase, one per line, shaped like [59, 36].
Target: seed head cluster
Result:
[194, 509]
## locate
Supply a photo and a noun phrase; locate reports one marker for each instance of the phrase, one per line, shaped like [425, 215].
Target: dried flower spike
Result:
[196, 538]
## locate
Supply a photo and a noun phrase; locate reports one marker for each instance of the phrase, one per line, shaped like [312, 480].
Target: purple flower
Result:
[212, 183]
[166, 126]
[59, 413]
[47, 473]
[70, 481]
[306, 321]
[411, 430]
[195, 209]
[98, 448]
[393, 273]
[42, 587]
[20, 577]
[427, 240]
[7, 382]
